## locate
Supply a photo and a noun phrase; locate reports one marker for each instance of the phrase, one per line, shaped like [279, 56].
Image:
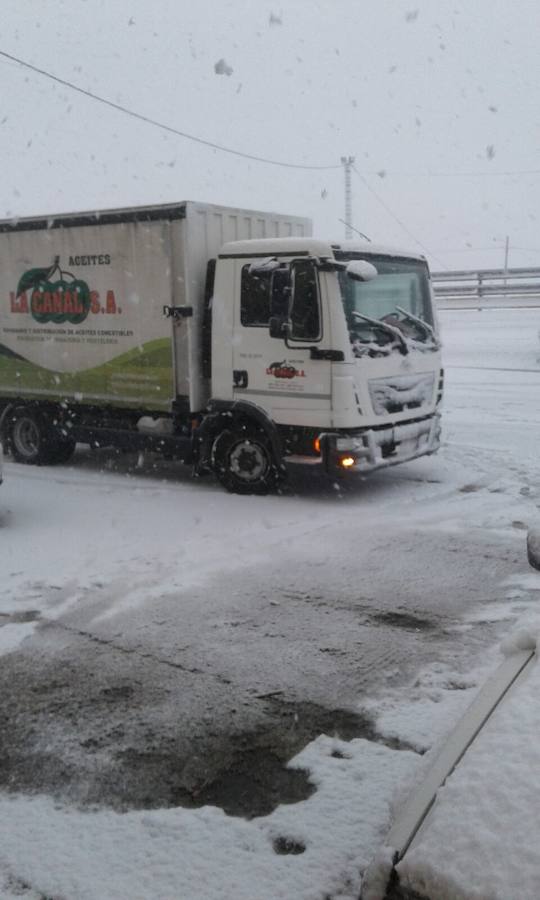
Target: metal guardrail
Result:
[486, 283]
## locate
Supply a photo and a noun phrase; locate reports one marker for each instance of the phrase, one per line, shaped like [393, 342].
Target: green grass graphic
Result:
[142, 377]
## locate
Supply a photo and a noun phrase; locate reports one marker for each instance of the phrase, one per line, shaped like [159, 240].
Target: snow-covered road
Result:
[164, 643]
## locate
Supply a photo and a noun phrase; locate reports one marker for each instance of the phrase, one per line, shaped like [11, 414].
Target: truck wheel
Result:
[243, 461]
[32, 439]
[61, 450]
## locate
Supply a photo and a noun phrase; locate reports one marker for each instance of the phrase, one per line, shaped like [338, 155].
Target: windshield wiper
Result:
[424, 325]
[384, 326]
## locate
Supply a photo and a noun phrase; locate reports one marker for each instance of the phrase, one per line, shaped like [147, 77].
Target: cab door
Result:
[289, 377]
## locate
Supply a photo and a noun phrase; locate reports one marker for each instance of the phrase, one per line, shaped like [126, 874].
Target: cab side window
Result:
[305, 312]
[266, 294]
[255, 297]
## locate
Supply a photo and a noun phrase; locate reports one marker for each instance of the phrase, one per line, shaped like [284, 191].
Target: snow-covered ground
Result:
[482, 837]
[157, 634]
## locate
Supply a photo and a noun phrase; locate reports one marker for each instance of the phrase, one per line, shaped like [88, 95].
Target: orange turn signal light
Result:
[317, 445]
[347, 461]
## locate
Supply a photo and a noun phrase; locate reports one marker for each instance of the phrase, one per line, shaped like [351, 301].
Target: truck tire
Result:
[62, 450]
[243, 461]
[33, 441]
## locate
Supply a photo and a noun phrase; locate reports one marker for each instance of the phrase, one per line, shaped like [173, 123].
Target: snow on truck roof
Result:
[155, 212]
[180, 210]
[291, 246]
[95, 217]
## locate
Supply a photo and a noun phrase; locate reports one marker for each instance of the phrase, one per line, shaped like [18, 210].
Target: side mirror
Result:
[361, 270]
[277, 327]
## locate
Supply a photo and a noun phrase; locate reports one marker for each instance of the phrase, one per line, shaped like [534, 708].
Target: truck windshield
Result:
[399, 298]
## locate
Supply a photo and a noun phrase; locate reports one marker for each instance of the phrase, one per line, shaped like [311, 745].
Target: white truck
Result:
[226, 338]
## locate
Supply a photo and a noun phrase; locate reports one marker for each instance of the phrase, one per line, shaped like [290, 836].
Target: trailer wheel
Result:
[243, 461]
[33, 441]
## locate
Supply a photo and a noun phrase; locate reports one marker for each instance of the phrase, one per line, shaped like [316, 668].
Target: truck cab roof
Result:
[303, 246]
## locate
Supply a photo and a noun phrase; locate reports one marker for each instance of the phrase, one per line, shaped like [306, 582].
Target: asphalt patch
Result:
[405, 620]
[244, 774]
[470, 488]
[95, 756]
[27, 615]
[19, 887]
[284, 846]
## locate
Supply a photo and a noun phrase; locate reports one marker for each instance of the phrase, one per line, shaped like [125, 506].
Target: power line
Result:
[526, 249]
[497, 249]
[262, 159]
[163, 126]
[383, 173]
[395, 218]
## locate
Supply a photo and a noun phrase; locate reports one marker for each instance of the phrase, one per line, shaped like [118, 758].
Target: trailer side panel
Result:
[81, 314]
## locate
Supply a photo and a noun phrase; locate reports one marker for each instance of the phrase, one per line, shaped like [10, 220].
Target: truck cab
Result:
[336, 343]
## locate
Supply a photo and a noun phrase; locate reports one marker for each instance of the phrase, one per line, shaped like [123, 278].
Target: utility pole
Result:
[347, 162]
[506, 249]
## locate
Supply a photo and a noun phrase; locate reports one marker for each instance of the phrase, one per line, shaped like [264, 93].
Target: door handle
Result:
[240, 378]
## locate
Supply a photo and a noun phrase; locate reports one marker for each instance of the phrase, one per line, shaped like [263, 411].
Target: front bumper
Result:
[377, 448]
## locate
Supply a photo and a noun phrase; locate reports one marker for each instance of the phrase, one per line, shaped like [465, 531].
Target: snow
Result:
[222, 68]
[12, 635]
[197, 854]
[402, 390]
[117, 551]
[104, 550]
[377, 876]
[436, 700]
[482, 837]
[523, 638]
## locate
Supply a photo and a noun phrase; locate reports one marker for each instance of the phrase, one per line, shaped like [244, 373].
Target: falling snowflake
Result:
[490, 151]
[275, 19]
[412, 15]
[221, 68]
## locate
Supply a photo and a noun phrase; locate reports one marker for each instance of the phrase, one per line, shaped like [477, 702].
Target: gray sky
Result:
[408, 88]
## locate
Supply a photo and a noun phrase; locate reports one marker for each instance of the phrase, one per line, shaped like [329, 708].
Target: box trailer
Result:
[227, 338]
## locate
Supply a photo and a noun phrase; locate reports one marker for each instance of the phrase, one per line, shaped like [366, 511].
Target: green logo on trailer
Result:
[54, 295]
